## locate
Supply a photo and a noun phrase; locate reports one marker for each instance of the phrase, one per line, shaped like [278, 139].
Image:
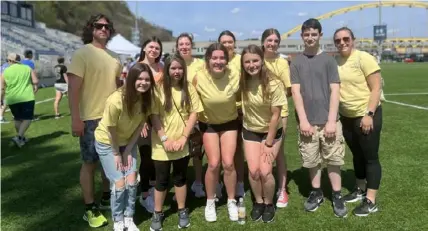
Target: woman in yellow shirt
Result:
[183, 46]
[150, 54]
[173, 121]
[361, 117]
[218, 87]
[125, 113]
[263, 97]
[271, 40]
[227, 39]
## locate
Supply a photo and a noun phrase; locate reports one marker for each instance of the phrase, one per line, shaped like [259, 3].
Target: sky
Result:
[206, 19]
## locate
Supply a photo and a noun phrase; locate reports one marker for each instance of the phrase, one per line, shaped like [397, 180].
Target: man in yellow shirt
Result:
[93, 75]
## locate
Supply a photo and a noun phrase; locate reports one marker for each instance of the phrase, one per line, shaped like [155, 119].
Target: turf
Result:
[40, 182]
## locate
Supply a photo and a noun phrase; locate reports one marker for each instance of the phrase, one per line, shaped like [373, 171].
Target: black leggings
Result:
[147, 168]
[179, 173]
[365, 148]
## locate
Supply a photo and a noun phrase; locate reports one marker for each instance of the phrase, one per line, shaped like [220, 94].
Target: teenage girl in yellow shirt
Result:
[126, 111]
[183, 46]
[263, 97]
[218, 87]
[279, 67]
[227, 39]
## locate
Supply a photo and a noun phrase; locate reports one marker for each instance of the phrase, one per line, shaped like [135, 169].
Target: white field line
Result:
[413, 93]
[407, 105]
[42, 101]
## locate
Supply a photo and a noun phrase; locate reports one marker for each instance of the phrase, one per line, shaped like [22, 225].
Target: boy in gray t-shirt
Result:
[315, 88]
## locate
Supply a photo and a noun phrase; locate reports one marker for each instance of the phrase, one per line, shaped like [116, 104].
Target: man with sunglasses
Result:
[93, 74]
[315, 88]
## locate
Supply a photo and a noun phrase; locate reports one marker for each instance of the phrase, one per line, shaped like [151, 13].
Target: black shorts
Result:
[257, 136]
[23, 111]
[232, 125]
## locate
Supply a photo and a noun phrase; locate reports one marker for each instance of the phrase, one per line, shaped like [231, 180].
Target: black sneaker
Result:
[269, 213]
[183, 218]
[157, 220]
[356, 195]
[339, 207]
[314, 201]
[257, 212]
[365, 208]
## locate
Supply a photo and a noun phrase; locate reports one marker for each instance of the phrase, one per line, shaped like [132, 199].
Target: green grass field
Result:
[40, 182]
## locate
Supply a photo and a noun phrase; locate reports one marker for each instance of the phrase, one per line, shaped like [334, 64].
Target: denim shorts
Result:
[87, 142]
[105, 153]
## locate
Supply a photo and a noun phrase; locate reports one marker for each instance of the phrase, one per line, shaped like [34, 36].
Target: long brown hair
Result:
[167, 84]
[264, 74]
[131, 96]
[210, 50]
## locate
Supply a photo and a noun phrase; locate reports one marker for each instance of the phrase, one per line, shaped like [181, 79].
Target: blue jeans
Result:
[123, 199]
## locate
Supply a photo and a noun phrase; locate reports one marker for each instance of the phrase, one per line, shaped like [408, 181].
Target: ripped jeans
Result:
[122, 199]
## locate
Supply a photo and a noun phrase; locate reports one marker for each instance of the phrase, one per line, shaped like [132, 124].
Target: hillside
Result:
[71, 16]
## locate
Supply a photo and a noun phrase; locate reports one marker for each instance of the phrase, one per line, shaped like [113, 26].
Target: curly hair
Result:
[88, 29]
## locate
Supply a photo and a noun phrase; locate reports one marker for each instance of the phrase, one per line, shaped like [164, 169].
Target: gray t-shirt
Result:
[315, 74]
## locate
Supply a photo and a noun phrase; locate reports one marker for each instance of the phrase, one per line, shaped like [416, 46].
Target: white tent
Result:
[121, 46]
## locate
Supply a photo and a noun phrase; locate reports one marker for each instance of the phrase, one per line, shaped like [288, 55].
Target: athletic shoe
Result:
[232, 208]
[157, 220]
[365, 208]
[198, 189]
[257, 211]
[94, 218]
[282, 201]
[268, 214]
[210, 212]
[18, 142]
[356, 195]
[149, 202]
[183, 218]
[130, 225]
[314, 201]
[118, 226]
[339, 207]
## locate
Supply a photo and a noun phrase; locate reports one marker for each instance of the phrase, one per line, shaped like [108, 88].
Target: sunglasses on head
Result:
[345, 39]
[100, 26]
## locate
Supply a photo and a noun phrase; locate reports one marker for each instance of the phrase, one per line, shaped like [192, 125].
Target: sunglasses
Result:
[100, 26]
[345, 39]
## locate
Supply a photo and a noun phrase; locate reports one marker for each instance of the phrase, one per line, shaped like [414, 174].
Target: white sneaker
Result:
[149, 202]
[232, 209]
[18, 142]
[210, 212]
[218, 191]
[198, 189]
[138, 178]
[130, 225]
[240, 191]
[118, 226]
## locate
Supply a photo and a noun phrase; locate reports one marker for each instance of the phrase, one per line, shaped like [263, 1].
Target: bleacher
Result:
[47, 44]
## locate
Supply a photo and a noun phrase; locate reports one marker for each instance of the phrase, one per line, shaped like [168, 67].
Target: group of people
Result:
[233, 105]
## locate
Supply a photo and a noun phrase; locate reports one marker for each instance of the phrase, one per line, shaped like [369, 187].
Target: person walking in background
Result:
[361, 115]
[93, 74]
[60, 85]
[28, 59]
[3, 102]
[315, 90]
[19, 85]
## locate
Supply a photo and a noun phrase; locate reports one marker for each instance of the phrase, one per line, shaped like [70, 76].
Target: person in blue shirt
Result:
[28, 54]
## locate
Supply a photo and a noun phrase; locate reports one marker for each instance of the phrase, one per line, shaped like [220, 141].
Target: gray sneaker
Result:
[157, 220]
[183, 218]
[314, 201]
[339, 207]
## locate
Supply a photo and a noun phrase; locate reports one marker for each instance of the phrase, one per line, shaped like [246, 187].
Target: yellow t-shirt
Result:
[279, 67]
[257, 112]
[116, 115]
[354, 90]
[194, 66]
[235, 62]
[172, 122]
[99, 69]
[218, 96]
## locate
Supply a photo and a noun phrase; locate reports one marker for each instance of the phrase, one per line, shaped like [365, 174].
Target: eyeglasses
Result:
[345, 39]
[100, 26]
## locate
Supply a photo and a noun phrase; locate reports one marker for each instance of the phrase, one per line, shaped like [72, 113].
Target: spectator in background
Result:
[93, 74]
[61, 85]
[28, 59]
[3, 102]
[19, 83]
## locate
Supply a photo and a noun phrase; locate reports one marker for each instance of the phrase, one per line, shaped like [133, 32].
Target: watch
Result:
[370, 113]
[164, 138]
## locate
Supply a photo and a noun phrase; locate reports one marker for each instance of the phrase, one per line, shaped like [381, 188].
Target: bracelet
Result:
[269, 146]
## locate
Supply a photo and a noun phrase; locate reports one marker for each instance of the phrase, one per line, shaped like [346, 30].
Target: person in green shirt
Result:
[19, 84]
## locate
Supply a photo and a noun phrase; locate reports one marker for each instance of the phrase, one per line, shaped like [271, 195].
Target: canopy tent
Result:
[121, 46]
